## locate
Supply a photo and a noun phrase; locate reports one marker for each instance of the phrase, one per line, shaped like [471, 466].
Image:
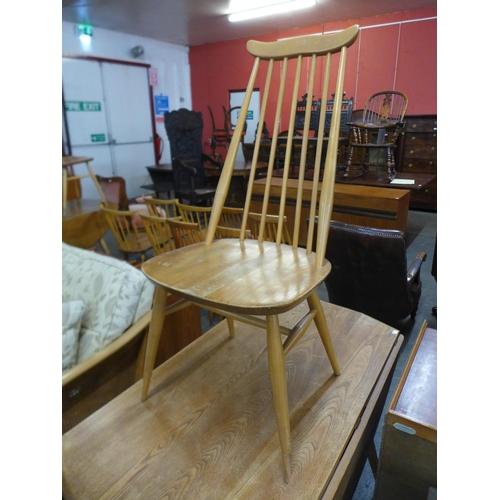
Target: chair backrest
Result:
[369, 269]
[385, 107]
[162, 208]
[185, 233]
[159, 233]
[270, 229]
[115, 191]
[123, 225]
[195, 214]
[309, 60]
[211, 118]
[185, 135]
[228, 122]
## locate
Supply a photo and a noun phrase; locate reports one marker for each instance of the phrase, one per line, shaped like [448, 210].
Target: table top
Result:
[73, 160]
[241, 167]
[379, 179]
[342, 190]
[208, 428]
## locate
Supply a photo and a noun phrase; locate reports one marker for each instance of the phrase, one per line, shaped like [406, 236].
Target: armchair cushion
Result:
[115, 295]
[72, 315]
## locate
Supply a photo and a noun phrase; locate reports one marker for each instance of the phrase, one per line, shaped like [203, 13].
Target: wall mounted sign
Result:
[161, 104]
[82, 106]
[98, 137]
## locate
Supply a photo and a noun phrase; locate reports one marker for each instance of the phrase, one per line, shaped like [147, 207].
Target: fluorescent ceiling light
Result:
[262, 8]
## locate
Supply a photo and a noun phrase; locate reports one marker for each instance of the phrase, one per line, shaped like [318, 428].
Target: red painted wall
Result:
[400, 56]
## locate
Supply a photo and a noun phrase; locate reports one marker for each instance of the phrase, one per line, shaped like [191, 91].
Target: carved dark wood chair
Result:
[184, 130]
[370, 274]
[378, 131]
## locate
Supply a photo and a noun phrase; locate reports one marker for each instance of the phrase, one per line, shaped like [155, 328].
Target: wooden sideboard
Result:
[408, 454]
[417, 153]
[382, 208]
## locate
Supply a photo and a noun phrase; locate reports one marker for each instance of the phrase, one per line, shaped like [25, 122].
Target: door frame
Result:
[125, 63]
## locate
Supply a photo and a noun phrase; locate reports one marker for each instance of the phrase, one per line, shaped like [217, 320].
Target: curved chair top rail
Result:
[307, 45]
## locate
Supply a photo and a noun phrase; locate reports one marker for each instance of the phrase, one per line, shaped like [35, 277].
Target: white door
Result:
[108, 111]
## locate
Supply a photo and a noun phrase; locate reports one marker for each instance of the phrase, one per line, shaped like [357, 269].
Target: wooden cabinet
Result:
[383, 208]
[417, 153]
[408, 454]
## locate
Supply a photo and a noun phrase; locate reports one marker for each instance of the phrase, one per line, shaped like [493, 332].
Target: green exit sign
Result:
[82, 106]
[98, 137]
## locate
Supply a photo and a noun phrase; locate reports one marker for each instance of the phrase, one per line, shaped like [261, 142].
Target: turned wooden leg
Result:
[320, 321]
[349, 162]
[278, 383]
[154, 334]
[230, 325]
[389, 164]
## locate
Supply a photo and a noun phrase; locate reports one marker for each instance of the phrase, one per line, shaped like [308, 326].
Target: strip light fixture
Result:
[239, 11]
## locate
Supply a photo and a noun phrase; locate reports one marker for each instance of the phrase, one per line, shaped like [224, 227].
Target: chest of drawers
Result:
[417, 153]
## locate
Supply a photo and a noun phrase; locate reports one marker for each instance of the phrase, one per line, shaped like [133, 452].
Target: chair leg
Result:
[321, 325]
[277, 373]
[372, 457]
[104, 246]
[154, 334]
[230, 326]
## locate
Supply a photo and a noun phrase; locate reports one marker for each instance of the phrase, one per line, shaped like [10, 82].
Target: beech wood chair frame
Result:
[245, 279]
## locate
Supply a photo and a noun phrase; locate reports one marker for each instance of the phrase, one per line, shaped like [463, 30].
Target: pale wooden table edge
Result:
[340, 477]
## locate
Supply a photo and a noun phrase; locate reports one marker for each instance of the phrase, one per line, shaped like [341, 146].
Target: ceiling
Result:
[196, 22]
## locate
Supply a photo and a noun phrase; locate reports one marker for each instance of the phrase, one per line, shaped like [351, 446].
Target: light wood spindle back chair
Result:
[129, 237]
[159, 233]
[243, 279]
[185, 233]
[162, 208]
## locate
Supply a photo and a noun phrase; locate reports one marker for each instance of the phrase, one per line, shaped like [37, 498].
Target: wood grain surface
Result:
[208, 428]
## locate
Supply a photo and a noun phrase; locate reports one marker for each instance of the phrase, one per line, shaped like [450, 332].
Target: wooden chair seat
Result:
[291, 275]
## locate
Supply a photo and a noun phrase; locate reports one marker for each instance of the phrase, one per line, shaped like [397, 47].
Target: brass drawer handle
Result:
[411, 151]
[413, 138]
[426, 191]
[414, 125]
[430, 163]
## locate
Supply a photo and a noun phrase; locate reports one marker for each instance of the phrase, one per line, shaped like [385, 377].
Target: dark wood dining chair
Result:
[253, 280]
[219, 137]
[378, 132]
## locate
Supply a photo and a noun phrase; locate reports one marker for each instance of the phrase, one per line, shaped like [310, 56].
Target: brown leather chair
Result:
[369, 272]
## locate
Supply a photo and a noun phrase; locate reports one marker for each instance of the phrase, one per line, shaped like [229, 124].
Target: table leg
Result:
[154, 334]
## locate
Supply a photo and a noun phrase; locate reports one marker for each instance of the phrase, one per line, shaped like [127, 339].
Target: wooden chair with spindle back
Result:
[130, 238]
[378, 131]
[159, 233]
[245, 279]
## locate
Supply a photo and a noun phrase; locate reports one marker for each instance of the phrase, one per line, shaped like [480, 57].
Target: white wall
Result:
[170, 60]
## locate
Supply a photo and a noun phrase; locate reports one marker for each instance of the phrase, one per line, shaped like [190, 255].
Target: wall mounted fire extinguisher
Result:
[158, 147]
